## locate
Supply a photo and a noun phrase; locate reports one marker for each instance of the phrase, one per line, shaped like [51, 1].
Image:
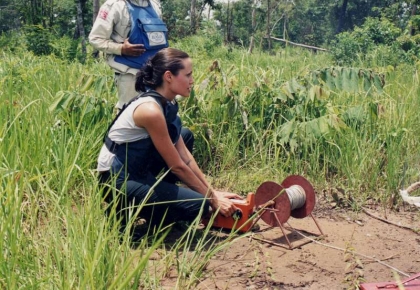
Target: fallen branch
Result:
[388, 222]
[384, 259]
[298, 44]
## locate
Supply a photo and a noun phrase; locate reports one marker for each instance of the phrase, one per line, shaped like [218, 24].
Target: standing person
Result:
[145, 138]
[129, 32]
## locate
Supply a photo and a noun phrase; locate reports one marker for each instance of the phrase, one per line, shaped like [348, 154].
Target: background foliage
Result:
[256, 117]
[346, 118]
[345, 27]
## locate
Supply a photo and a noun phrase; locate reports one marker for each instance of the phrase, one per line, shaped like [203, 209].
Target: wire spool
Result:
[309, 204]
[294, 197]
[272, 191]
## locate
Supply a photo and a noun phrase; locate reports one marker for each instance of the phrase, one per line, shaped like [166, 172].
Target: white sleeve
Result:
[100, 35]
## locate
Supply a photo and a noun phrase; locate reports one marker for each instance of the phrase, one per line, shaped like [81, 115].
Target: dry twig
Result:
[388, 222]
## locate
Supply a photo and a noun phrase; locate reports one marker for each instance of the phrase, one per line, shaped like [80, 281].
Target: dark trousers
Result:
[167, 203]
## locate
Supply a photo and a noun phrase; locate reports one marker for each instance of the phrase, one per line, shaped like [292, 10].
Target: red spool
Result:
[272, 191]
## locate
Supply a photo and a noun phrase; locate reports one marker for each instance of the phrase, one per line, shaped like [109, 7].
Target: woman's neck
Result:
[166, 94]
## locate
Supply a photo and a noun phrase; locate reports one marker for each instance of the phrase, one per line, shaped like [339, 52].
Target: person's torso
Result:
[146, 29]
[119, 27]
[122, 25]
[124, 130]
[130, 147]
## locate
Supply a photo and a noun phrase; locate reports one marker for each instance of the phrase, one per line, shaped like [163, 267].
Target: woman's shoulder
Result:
[149, 100]
[147, 108]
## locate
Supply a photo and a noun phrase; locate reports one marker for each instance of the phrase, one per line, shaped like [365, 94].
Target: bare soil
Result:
[387, 251]
[381, 250]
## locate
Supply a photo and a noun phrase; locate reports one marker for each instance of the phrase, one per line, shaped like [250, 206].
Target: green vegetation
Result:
[344, 119]
[256, 117]
[345, 27]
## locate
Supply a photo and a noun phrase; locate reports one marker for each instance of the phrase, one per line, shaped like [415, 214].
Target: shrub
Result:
[376, 38]
[38, 39]
[12, 42]
[406, 42]
[414, 23]
[380, 31]
[66, 48]
[344, 48]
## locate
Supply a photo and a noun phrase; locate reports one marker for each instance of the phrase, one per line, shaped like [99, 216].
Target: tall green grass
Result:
[54, 233]
[367, 156]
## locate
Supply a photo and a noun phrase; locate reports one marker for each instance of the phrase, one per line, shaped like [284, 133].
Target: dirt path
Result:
[253, 264]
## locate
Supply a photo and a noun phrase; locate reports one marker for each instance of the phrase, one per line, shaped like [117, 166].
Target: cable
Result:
[296, 196]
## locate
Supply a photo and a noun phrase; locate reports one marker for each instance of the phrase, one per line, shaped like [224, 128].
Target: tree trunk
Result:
[253, 24]
[95, 10]
[413, 12]
[41, 7]
[51, 13]
[81, 29]
[230, 33]
[268, 25]
[200, 14]
[285, 26]
[227, 22]
[193, 16]
[96, 6]
[342, 16]
[32, 13]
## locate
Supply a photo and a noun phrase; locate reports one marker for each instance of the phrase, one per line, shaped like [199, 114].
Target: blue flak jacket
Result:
[147, 29]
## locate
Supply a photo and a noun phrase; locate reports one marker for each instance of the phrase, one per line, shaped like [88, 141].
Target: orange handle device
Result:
[241, 218]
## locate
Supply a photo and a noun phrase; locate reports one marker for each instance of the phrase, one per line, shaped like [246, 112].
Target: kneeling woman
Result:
[147, 137]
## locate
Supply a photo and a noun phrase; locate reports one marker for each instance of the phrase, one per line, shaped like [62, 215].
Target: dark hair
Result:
[151, 74]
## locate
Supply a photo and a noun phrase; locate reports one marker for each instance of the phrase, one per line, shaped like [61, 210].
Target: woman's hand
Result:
[226, 194]
[223, 201]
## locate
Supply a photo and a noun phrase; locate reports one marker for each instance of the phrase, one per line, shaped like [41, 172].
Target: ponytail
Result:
[144, 77]
[150, 75]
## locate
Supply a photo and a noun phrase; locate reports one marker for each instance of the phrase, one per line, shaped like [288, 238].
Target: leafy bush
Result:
[12, 42]
[66, 48]
[384, 55]
[414, 23]
[38, 39]
[410, 45]
[213, 39]
[380, 31]
[373, 37]
[406, 42]
[344, 48]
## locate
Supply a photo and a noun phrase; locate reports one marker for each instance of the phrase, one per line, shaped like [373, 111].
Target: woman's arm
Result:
[150, 117]
[190, 161]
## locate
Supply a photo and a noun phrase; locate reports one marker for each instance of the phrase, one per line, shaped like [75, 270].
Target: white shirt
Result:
[124, 130]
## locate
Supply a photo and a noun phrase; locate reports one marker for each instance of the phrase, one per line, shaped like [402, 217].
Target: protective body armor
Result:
[147, 29]
[133, 159]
